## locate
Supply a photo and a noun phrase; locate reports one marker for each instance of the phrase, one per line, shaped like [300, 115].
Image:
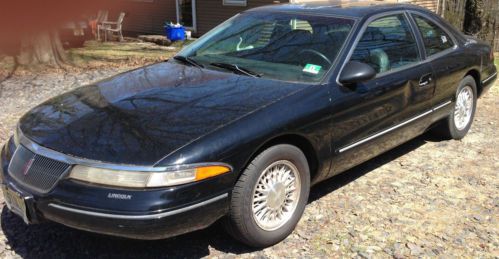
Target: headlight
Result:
[16, 135]
[143, 179]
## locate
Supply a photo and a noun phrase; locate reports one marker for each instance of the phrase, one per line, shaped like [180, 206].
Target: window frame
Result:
[421, 39]
[235, 2]
[360, 33]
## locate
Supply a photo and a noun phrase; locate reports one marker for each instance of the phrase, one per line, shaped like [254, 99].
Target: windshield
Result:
[283, 46]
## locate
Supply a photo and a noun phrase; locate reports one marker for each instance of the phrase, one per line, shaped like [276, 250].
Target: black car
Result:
[243, 121]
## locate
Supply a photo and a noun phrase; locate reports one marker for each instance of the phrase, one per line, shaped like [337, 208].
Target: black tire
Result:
[448, 128]
[240, 222]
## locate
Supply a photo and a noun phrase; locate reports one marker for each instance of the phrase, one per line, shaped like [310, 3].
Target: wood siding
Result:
[429, 4]
[144, 17]
[210, 13]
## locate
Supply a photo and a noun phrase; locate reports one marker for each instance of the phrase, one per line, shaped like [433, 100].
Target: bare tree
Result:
[454, 12]
[42, 48]
[28, 29]
[481, 19]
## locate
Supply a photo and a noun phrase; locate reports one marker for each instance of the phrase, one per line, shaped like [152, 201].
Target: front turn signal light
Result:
[210, 171]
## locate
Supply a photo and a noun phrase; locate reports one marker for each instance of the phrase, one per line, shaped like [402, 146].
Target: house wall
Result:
[148, 16]
[210, 13]
[143, 16]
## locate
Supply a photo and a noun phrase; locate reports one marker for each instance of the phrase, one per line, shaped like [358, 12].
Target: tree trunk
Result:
[453, 11]
[44, 48]
[481, 19]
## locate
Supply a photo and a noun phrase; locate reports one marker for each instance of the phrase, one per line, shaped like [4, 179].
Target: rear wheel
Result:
[457, 125]
[269, 198]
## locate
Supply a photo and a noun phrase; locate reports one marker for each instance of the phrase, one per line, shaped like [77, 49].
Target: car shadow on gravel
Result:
[338, 181]
[50, 240]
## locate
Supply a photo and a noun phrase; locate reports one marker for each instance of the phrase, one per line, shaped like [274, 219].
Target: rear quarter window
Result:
[434, 37]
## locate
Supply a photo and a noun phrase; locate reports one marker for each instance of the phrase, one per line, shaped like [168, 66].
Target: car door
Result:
[441, 52]
[374, 116]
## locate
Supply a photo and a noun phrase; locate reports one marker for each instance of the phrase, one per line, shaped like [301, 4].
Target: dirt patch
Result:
[426, 198]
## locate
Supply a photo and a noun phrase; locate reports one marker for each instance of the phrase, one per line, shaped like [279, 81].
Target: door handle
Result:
[425, 80]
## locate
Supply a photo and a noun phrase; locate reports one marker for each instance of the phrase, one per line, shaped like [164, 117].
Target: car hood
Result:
[140, 116]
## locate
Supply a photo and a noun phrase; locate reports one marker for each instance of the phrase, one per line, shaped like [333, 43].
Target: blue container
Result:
[175, 33]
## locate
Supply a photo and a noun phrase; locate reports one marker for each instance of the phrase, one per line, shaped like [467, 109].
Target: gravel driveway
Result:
[425, 198]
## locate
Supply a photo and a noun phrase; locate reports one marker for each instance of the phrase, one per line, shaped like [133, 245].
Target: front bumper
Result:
[149, 226]
[149, 214]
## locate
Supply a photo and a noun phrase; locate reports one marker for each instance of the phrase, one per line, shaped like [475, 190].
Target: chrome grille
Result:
[36, 172]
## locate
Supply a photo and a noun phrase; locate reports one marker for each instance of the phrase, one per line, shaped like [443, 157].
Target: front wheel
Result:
[269, 198]
[459, 121]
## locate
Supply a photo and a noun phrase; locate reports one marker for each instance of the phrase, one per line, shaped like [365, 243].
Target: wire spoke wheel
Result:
[276, 195]
[269, 197]
[463, 108]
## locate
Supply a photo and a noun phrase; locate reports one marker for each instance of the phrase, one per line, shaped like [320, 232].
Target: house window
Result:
[235, 2]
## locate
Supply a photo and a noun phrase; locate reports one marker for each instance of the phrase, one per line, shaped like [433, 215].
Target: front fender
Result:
[305, 114]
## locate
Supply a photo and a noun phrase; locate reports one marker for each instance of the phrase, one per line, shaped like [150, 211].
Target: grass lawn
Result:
[96, 53]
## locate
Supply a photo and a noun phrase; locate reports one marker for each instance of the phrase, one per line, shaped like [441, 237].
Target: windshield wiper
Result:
[237, 69]
[188, 60]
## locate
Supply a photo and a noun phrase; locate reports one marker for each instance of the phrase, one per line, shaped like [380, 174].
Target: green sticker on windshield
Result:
[312, 69]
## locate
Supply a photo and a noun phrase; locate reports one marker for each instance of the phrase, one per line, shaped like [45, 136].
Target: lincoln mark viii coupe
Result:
[243, 121]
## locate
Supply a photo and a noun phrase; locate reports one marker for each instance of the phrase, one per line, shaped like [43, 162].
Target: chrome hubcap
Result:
[276, 195]
[463, 108]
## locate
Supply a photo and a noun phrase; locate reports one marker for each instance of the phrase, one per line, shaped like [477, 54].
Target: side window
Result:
[387, 44]
[435, 39]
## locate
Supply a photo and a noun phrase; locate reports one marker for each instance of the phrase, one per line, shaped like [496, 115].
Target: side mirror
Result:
[356, 72]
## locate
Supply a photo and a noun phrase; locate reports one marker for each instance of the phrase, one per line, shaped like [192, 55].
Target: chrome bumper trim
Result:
[384, 132]
[441, 105]
[341, 150]
[139, 217]
[489, 78]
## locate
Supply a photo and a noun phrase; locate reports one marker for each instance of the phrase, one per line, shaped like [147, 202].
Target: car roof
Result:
[352, 8]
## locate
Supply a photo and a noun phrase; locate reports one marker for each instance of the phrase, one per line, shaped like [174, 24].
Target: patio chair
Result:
[95, 24]
[113, 27]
